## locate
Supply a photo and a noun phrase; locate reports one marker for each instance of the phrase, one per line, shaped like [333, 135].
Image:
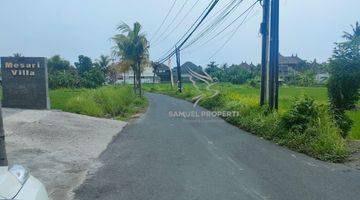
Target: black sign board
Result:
[25, 82]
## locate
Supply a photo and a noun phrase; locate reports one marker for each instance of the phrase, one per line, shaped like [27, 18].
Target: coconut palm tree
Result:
[132, 48]
[354, 34]
[103, 63]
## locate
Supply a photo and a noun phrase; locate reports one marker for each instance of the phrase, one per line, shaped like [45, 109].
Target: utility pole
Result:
[264, 29]
[3, 157]
[276, 16]
[171, 74]
[274, 56]
[178, 67]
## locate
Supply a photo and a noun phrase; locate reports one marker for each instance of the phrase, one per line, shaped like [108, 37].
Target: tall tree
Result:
[344, 81]
[84, 64]
[56, 63]
[103, 63]
[132, 47]
[155, 67]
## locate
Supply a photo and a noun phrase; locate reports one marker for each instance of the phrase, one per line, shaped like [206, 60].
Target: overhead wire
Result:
[180, 22]
[228, 26]
[200, 20]
[217, 22]
[164, 20]
[160, 37]
[233, 33]
[171, 51]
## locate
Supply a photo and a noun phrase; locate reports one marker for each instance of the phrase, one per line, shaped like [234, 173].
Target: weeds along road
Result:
[165, 158]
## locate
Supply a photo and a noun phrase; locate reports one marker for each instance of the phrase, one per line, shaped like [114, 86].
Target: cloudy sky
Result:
[70, 28]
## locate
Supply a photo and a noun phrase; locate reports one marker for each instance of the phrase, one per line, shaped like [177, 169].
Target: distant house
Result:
[147, 76]
[163, 72]
[286, 63]
[186, 69]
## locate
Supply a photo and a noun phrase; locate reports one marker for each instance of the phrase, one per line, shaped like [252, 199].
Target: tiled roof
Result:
[290, 59]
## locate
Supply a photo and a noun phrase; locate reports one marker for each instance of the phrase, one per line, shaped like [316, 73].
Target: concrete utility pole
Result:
[264, 29]
[274, 56]
[171, 73]
[178, 69]
[270, 54]
[3, 157]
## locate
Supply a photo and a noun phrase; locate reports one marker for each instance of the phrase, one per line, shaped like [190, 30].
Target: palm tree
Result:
[132, 48]
[103, 63]
[155, 66]
[355, 34]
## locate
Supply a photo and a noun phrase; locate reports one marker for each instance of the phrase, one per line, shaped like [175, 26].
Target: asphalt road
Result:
[159, 157]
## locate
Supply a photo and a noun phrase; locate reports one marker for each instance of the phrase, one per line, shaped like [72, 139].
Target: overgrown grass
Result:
[117, 102]
[320, 138]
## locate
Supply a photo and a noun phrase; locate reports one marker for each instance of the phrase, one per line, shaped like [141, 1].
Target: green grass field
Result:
[287, 95]
[118, 102]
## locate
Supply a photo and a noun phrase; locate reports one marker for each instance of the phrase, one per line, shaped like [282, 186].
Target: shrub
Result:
[311, 130]
[92, 79]
[213, 102]
[63, 79]
[303, 111]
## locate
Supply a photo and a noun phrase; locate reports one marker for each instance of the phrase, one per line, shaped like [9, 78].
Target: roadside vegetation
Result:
[303, 122]
[79, 88]
[118, 102]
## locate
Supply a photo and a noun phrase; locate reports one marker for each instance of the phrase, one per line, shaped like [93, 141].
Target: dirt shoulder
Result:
[354, 160]
[59, 148]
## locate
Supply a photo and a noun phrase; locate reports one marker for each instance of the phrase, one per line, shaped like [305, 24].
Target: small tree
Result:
[344, 81]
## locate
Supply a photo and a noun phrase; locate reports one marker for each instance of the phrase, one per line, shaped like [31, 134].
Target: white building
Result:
[147, 76]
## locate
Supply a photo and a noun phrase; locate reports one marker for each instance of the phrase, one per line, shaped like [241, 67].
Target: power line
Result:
[207, 12]
[217, 22]
[229, 25]
[232, 35]
[171, 52]
[181, 21]
[164, 20]
[171, 22]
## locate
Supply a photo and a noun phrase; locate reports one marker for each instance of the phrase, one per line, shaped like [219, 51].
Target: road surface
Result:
[160, 157]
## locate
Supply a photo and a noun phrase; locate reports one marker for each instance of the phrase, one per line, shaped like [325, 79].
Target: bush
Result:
[63, 79]
[311, 130]
[254, 82]
[213, 103]
[92, 79]
[303, 111]
[343, 121]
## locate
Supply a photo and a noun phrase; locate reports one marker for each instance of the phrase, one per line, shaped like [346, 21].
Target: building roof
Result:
[290, 60]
